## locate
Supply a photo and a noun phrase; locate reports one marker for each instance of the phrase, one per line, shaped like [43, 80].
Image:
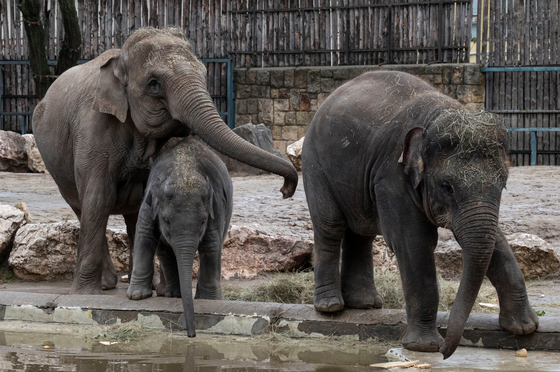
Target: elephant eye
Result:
[154, 86]
[447, 188]
[166, 220]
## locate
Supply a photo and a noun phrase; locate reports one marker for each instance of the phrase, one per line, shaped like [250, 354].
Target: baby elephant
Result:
[187, 207]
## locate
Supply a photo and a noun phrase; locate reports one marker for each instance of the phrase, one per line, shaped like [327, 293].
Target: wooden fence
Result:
[520, 45]
[518, 32]
[267, 33]
[253, 33]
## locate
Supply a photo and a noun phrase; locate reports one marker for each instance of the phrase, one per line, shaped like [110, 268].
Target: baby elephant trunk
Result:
[185, 252]
[475, 230]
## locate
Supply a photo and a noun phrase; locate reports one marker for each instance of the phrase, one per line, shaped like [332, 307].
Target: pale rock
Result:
[13, 157]
[23, 207]
[48, 251]
[522, 353]
[34, 160]
[535, 256]
[449, 259]
[383, 257]
[294, 153]
[246, 253]
[11, 219]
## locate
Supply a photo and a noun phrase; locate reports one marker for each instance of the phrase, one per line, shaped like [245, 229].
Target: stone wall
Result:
[285, 99]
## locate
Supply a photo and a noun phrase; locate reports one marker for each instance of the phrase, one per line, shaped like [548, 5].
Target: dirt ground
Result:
[530, 203]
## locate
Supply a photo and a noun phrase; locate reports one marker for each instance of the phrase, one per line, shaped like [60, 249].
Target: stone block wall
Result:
[286, 98]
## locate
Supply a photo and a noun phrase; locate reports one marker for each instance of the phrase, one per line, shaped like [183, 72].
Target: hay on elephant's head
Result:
[477, 144]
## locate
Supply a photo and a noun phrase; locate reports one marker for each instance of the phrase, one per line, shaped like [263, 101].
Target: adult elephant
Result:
[388, 154]
[101, 124]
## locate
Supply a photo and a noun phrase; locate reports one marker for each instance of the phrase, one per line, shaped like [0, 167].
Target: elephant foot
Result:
[422, 340]
[138, 291]
[368, 300]
[171, 291]
[109, 280]
[160, 289]
[328, 302]
[520, 321]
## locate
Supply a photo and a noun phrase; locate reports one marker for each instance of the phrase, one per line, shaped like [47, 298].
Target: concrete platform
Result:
[252, 318]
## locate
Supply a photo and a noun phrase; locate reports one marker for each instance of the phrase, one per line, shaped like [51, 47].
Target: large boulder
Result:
[13, 157]
[246, 253]
[48, 251]
[294, 153]
[11, 219]
[260, 136]
[535, 256]
[34, 160]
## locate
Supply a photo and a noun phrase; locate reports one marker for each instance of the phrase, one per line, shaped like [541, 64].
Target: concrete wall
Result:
[285, 99]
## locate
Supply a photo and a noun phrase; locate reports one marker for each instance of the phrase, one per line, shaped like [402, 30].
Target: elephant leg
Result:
[328, 228]
[413, 239]
[170, 285]
[109, 277]
[93, 251]
[208, 285]
[516, 314]
[130, 220]
[358, 287]
[145, 243]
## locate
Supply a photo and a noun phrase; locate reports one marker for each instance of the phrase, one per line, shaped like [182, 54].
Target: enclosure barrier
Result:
[215, 83]
[533, 140]
[528, 98]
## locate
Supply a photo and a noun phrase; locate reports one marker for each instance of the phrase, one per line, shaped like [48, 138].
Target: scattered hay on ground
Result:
[122, 331]
[298, 288]
[288, 288]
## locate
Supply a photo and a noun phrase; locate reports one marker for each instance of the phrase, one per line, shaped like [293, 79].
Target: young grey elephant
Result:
[187, 207]
[388, 154]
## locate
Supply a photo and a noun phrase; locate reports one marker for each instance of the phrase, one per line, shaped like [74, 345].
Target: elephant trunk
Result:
[184, 252]
[196, 109]
[475, 230]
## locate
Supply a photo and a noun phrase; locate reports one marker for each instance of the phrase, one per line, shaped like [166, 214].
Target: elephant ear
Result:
[152, 203]
[110, 96]
[411, 156]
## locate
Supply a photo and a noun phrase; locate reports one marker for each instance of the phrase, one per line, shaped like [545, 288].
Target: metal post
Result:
[533, 148]
[230, 95]
[22, 125]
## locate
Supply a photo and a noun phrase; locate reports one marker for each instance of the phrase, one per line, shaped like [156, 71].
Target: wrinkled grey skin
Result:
[387, 154]
[187, 207]
[102, 123]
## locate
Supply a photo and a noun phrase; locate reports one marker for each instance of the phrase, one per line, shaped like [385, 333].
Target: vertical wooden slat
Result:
[109, 25]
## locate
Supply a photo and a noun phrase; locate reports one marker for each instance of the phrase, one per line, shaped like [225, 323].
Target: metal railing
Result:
[533, 131]
[230, 113]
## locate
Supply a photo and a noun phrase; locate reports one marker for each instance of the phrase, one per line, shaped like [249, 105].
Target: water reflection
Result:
[162, 353]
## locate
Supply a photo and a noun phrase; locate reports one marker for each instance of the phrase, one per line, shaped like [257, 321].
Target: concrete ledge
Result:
[253, 318]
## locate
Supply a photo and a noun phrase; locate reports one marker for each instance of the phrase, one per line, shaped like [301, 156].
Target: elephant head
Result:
[157, 82]
[458, 168]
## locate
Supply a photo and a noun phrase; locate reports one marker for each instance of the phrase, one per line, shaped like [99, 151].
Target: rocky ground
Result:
[530, 204]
